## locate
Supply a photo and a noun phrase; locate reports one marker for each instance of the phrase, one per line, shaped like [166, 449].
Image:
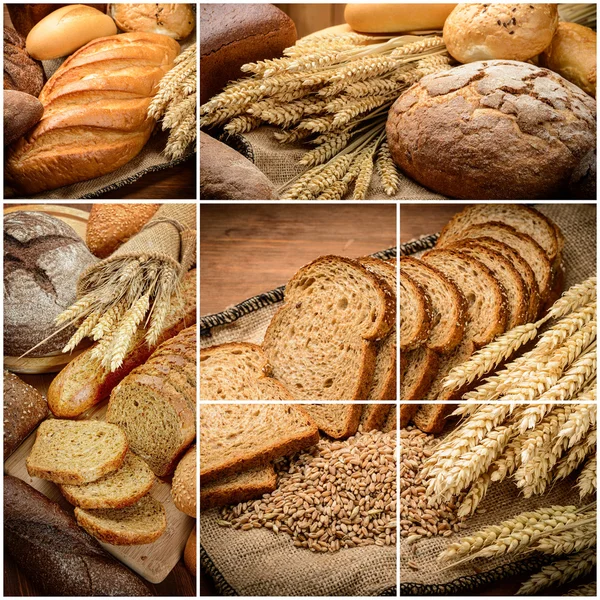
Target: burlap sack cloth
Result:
[149, 160]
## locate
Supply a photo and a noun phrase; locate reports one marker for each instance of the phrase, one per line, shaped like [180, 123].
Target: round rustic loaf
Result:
[43, 258]
[496, 129]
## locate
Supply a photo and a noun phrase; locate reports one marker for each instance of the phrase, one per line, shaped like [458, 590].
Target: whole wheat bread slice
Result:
[421, 368]
[374, 416]
[415, 313]
[390, 423]
[321, 343]
[239, 487]
[336, 420]
[238, 371]
[237, 437]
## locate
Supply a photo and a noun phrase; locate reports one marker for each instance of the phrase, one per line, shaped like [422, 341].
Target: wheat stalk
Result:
[587, 480]
[586, 589]
[581, 419]
[77, 310]
[575, 456]
[386, 167]
[242, 124]
[335, 143]
[83, 330]
[475, 495]
[573, 540]
[418, 47]
[365, 170]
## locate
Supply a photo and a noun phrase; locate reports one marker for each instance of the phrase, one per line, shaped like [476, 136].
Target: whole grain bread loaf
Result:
[43, 257]
[21, 72]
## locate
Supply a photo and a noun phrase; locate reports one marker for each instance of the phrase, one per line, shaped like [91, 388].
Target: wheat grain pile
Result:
[332, 91]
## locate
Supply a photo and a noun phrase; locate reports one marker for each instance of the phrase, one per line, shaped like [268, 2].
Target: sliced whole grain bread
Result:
[338, 421]
[374, 416]
[238, 371]
[415, 313]
[407, 412]
[237, 437]
[421, 368]
[141, 523]
[118, 489]
[239, 487]
[431, 418]
[76, 452]
[322, 343]
[390, 423]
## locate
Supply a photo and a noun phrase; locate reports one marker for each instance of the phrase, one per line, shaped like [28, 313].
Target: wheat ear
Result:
[576, 455]
[76, 310]
[587, 480]
[572, 540]
[587, 589]
[82, 331]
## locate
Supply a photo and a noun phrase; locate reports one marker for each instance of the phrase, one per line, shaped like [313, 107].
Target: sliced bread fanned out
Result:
[415, 313]
[321, 343]
[238, 371]
[374, 416]
[118, 489]
[338, 421]
[76, 451]
[390, 423]
[238, 487]
[237, 437]
[420, 370]
[141, 523]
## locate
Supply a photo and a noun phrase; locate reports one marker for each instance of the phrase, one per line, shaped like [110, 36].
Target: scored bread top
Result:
[235, 437]
[320, 342]
[415, 313]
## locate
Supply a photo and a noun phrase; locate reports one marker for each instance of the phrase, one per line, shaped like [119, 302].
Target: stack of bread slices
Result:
[494, 267]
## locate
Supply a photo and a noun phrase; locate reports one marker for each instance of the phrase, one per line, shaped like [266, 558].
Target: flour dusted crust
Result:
[496, 129]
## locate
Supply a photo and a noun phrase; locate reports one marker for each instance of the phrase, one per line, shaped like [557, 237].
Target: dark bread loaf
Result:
[21, 112]
[55, 553]
[25, 16]
[496, 129]
[21, 72]
[24, 409]
[232, 35]
[43, 258]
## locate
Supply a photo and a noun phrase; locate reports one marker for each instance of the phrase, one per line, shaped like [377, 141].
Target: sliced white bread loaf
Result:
[321, 343]
[238, 371]
[238, 487]
[141, 523]
[237, 437]
[338, 421]
[123, 487]
[415, 313]
[76, 452]
[374, 416]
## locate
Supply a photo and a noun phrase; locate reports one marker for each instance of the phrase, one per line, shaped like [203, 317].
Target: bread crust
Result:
[374, 416]
[426, 370]
[183, 489]
[189, 554]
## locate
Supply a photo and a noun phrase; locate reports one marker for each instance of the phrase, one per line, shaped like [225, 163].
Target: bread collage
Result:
[398, 268]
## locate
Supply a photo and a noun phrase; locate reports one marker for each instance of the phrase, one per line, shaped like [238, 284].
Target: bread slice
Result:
[76, 451]
[384, 382]
[432, 418]
[237, 437]
[338, 421]
[239, 487]
[374, 416]
[407, 412]
[421, 368]
[238, 371]
[415, 313]
[321, 343]
[390, 423]
[141, 523]
[522, 218]
[183, 488]
[118, 489]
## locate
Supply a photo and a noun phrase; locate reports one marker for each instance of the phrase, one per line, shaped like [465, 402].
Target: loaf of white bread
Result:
[95, 113]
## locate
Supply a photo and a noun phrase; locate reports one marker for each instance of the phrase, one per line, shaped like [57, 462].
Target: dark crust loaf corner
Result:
[496, 130]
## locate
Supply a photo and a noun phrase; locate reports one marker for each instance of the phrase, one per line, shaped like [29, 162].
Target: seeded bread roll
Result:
[499, 31]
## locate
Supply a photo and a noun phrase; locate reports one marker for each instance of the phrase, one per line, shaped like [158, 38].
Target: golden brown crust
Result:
[189, 554]
[213, 496]
[183, 488]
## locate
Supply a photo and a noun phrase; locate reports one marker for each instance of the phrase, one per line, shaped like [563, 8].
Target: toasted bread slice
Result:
[415, 313]
[338, 421]
[322, 342]
[239, 487]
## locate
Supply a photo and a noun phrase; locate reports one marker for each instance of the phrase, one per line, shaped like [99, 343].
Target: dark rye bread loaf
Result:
[232, 35]
[58, 556]
[43, 258]
[21, 72]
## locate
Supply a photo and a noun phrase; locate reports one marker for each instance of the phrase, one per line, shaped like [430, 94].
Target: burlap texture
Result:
[279, 162]
[150, 159]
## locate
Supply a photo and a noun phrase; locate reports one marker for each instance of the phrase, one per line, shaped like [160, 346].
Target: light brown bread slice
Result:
[239, 487]
[118, 489]
[321, 343]
[421, 368]
[384, 382]
[512, 285]
[374, 416]
[238, 371]
[141, 523]
[390, 423]
[237, 437]
[415, 313]
[431, 418]
[76, 451]
[522, 218]
[407, 412]
[336, 420]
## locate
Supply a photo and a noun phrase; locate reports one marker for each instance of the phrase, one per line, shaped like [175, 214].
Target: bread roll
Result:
[499, 31]
[496, 130]
[175, 20]
[572, 54]
[21, 112]
[25, 16]
[67, 29]
[392, 18]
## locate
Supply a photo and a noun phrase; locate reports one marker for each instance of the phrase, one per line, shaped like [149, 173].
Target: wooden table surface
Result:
[179, 582]
[246, 249]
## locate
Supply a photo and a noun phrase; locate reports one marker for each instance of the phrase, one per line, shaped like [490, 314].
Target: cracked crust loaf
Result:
[322, 343]
[496, 129]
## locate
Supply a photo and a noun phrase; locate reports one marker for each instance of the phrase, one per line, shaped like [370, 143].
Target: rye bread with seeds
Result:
[157, 419]
[415, 313]
[123, 487]
[76, 451]
[141, 523]
[237, 437]
[322, 343]
[338, 421]
[512, 285]
[374, 416]
[239, 487]
[384, 378]
[238, 371]
[523, 219]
